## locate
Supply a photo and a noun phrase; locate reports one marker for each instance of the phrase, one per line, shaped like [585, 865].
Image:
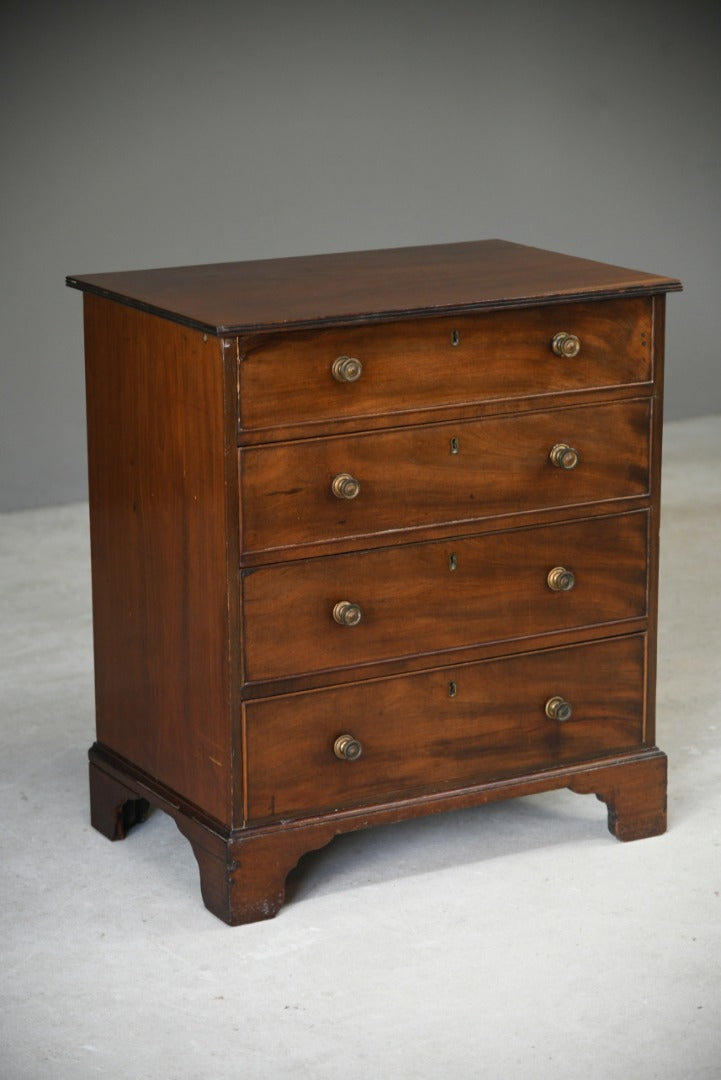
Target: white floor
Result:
[518, 940]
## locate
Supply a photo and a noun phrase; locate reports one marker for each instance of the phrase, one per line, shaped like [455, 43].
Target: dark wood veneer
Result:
[215, 429]
[412, 602]
[412, 367]
[367, 286]
[164, 555]
[419, 738]
[410, 480]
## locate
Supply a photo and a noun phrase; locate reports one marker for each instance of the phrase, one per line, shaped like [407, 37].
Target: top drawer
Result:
[431, 363]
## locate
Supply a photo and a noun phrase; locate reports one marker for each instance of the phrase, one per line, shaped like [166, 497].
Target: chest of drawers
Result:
[373, 535]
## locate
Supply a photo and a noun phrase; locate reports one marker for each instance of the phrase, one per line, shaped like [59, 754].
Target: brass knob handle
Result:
[560, 580]
[346, 748]
[345, 486]
[565, 344]
[347, 614]
[347, 369]
[557, 708]
[564, 456]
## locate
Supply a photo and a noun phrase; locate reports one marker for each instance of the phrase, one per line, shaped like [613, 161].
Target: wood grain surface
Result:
[410, 478]
[416, 737]
[286, 379]
[215, 432]
[161, 512]
[366, 286]
[413, 602]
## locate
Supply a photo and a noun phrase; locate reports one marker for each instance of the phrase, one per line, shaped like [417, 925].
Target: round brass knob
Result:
[346, 748]
[347, 614]
[565, 344]
[557, 708]
[345, 486]
[347, 369]
[560, 580]
[564, 456]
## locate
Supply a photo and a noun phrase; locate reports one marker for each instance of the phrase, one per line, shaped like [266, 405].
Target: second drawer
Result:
[346, 610]
[333, 489]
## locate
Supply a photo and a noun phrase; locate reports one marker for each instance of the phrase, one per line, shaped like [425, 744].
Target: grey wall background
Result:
[152, 134]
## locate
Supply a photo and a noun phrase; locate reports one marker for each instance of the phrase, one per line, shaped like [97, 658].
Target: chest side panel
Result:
[158, 425]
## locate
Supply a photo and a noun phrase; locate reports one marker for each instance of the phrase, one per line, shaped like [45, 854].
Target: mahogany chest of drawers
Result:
[374, 535]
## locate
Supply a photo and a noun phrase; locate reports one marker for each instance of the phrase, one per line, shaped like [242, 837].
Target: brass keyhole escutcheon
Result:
[347, 614]
[564, 456]
[345, 486]
[347, 369]
[557, 708]
[346, 748]
[566, 345]
[561, 580]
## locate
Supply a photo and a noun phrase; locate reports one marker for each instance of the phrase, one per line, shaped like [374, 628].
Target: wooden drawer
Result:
[443, 729]
[407, 366]
[425, 598]
[435, 474]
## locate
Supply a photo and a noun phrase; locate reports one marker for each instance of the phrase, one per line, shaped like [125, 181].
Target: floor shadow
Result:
[453, 838]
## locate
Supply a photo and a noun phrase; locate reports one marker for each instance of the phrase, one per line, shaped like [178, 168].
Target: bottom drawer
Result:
[443, 729]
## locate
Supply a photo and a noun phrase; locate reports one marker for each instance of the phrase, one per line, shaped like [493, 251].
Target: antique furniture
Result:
[374, 535]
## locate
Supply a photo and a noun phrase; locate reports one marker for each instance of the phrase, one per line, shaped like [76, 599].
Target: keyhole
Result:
[455, 445]
[455, 337]
[452, 689]
[452, 561]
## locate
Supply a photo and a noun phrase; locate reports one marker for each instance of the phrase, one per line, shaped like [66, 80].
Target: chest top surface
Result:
[366, 286]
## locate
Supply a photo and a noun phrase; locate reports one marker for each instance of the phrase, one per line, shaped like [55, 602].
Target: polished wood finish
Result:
[215, 430]
[411, 480]
[410, 366]
[367, 286]
[163, 552]
[412, 601]
[419, 735]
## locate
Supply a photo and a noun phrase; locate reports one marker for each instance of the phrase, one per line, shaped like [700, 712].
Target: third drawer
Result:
[443, 595]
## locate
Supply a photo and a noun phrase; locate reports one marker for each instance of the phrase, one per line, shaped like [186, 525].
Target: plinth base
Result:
[243, 871]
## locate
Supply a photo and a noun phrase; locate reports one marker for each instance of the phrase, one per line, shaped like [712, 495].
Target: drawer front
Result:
[424, 598]
[440, 474]
[406, 366]
[444, 729]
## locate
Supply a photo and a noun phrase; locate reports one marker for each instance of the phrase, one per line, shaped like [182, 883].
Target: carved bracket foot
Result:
[634, 793]
[114, 807]
[242, 879]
